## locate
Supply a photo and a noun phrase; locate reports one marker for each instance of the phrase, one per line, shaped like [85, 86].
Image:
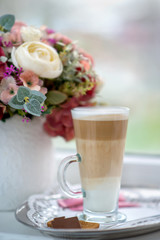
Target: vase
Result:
[26, 161]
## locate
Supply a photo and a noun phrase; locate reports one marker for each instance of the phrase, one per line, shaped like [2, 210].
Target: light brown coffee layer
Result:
[100, 158]
[99, 128]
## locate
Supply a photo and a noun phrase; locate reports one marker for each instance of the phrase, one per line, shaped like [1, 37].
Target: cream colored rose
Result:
[30, 33]
[39, 58]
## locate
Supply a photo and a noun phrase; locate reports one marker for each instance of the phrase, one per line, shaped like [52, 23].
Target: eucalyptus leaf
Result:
[55, 97]
[33, 107]
[14, 103]
[38, 95]
[60, 43]
[22, 93]
[6, 22]
[3, 59]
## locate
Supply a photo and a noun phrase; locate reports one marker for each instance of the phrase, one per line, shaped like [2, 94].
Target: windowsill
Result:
[141, 171]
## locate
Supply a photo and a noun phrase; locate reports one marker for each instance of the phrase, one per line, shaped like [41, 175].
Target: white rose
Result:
[38, 57]
[30, 33]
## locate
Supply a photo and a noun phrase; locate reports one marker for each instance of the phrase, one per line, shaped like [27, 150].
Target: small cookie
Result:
[64, 223]
[49, 224]
[88, 225]
[73, 222]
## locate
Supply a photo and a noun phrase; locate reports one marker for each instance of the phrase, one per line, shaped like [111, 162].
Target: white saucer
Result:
[39, 209]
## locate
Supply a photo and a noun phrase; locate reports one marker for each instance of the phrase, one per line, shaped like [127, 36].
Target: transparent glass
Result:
[100, 140]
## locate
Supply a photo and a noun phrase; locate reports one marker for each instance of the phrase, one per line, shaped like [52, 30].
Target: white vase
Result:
[26, 161]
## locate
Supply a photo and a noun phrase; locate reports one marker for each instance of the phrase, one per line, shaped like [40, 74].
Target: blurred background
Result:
[123, 36]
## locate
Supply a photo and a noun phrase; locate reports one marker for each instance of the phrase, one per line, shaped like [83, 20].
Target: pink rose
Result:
[15, 34]
[30, 80]
[60, 37]
[86, 55]
[8, 93]
[86, 65]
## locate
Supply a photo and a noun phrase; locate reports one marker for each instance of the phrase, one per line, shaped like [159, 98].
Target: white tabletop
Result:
[11, 229]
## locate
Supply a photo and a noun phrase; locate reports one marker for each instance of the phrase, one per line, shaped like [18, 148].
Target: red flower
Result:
[2, 65]
[54, 129]
[1, 113]
[69, 133]
[71, 103]
[60, 123]
[89, 95]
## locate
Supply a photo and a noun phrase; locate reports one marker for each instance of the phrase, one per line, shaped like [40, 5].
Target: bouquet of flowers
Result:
[43, 73]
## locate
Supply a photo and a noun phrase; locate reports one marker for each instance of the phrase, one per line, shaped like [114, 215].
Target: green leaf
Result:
[14, 103]
[33, 107]
[48, 111]
[69, 47]
[38, 95]
[77, 80]
[56, 97]
[6, 22]
[22, 93]
[1, 29]
[21, 112]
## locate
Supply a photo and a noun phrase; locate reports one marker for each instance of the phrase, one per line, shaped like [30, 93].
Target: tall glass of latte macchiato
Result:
[100, 134]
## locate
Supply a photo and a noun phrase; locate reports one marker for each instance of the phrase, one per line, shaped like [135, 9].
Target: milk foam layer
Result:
[103, 197]
[111, 117]
[110, 112]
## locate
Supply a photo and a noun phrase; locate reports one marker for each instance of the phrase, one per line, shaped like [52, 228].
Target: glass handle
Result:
[62, 169]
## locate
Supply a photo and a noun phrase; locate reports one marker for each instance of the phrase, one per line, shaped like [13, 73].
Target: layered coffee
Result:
[100, 141]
